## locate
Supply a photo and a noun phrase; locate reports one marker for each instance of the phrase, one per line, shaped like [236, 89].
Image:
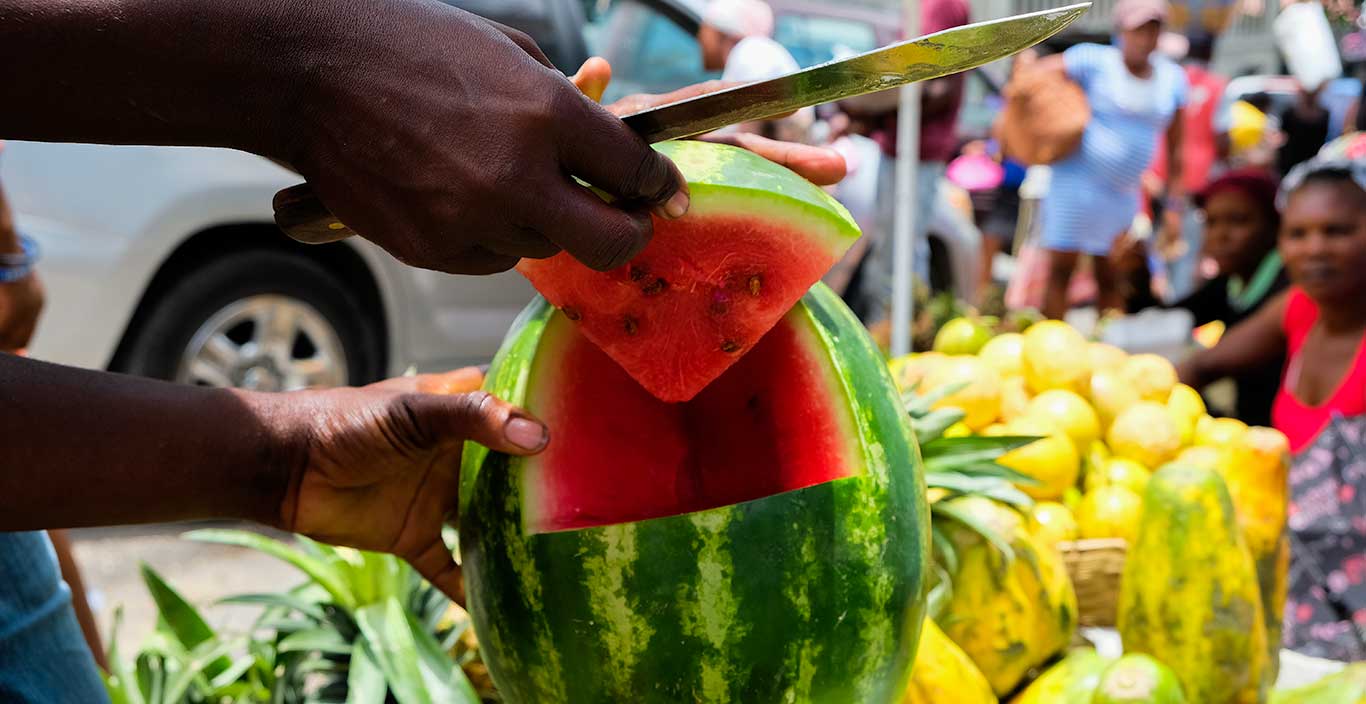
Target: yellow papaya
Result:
[1189, 595]
[1071, 681]
[1008, 615]
[1257, 473]
[944, 674]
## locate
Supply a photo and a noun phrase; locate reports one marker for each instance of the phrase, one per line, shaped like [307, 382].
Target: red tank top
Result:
[1300, 421]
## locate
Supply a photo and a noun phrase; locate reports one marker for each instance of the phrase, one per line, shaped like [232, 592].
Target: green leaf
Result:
[939, 595]
[976, 445]
[984, 469]
[195, 666]
[289, 602]
[322, 640]
[949, 510]
[365, 682]
[184, 621]
[931, 426]
[443, 676]
[918, 404]
[944, 551]
[386, 632]
[320, 571]
[239, 668]
[120, 682]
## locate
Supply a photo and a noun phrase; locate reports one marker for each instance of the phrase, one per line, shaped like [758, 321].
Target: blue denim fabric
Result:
[43, 655]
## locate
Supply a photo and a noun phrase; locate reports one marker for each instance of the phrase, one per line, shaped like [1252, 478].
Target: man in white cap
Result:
[736, 39]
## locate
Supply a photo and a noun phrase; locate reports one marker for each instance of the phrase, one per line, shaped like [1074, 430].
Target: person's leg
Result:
[1060, 267]
[43, 656]
[1107, 289]
[929, 175]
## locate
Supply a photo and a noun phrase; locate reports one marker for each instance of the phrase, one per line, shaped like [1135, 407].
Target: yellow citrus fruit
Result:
[1219, 432]
[1069, 412]
[1110, 512]
[1055, 357]
[1103, 356]
[1072, 499]
[1111, 395]
[1200, 456]
[1053, 523]
[1120, 471]
[909, 370]
[1186, 408]
[961, 336]
[980, 399]
[1005, 353]
[1145, 433]
[1014, 397]
[1051, 460]
[957, 430]
[1153, 377]
[1209, 334]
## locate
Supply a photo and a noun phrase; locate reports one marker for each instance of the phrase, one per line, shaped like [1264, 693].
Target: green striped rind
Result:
[812, 595]
[729, 180]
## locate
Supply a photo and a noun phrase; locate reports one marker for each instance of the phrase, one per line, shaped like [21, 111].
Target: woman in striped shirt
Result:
[1135, 95]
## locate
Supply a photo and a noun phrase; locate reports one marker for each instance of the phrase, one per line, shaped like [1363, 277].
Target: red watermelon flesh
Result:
[773, 422]
[710, 284]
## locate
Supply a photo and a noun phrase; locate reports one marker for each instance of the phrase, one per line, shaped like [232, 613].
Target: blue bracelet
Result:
[14, 267]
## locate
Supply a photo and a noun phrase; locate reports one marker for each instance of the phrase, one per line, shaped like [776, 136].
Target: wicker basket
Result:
[1096, 567]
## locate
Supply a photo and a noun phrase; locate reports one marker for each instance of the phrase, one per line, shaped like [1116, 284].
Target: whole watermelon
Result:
[810, 595]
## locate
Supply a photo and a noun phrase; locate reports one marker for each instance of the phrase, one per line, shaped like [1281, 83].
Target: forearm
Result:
[209, 72]
[85, 448]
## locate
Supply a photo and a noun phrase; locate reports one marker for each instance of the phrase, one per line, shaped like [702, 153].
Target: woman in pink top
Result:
[1320, 322]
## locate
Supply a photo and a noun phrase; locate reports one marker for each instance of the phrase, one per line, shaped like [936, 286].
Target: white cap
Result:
[740, 18]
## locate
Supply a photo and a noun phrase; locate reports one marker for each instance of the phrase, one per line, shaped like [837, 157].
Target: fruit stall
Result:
[746, 501]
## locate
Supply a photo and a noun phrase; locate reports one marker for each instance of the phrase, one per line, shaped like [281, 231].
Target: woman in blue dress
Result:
[1135, 94]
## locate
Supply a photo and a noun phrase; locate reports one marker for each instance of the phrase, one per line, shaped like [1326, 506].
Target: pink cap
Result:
[1132, 14]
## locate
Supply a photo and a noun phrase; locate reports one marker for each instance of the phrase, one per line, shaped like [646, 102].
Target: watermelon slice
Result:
[710, 284]
[771, 423]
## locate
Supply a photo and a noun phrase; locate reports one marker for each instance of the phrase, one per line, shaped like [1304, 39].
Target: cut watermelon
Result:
[710, 284]
[765, 542]
[771, 423]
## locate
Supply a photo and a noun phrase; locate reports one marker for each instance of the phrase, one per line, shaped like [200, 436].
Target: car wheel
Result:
[261, 320]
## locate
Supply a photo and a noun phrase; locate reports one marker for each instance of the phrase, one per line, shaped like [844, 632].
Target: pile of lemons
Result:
[1106, 419]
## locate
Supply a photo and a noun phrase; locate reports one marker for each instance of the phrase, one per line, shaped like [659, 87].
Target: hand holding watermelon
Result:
[379, 466]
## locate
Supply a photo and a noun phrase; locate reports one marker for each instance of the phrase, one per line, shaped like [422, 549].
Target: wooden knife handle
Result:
[303, 217]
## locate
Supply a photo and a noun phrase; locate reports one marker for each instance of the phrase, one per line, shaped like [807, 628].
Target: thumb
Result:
[478, 416]
[593, 77]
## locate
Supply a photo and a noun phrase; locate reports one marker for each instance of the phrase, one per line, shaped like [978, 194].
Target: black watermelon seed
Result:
[755, 283]
[655, 287]
[730, 346]
[571, 313]
[630, 325]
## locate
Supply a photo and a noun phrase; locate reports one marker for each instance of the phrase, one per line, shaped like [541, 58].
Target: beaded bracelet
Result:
[14, 267]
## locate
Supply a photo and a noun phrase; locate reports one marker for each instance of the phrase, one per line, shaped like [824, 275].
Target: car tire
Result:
[261, 319]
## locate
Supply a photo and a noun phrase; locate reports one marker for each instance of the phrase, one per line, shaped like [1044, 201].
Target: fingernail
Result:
[677, 206]
[526, 434]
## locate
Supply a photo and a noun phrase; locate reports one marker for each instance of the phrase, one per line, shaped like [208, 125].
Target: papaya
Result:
[1345, 687]
[1009, 613]
[1071, 681]
[1189, 594]
[1257, 473]
[1138, 679]
[944, 674]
